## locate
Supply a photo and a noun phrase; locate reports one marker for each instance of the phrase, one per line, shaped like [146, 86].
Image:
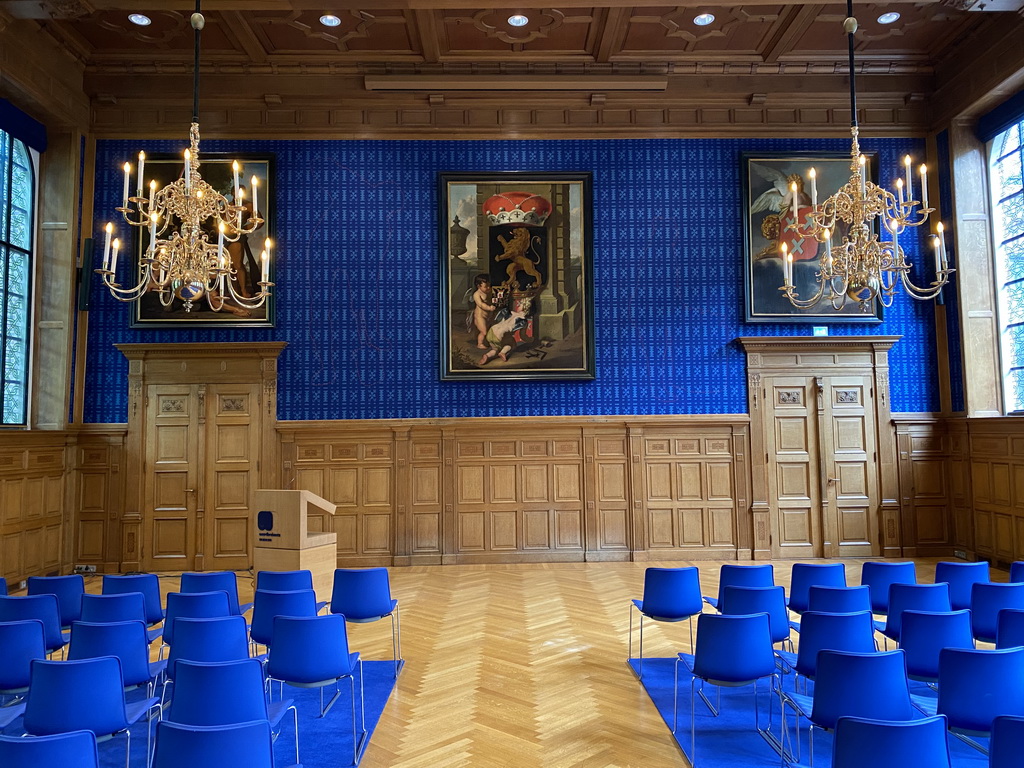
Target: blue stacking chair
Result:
[83, 695]
[1017, 572]
[269, 603]
[987, 600]
[3, 586]
[877, 576]
[853, 632]
[739, 601]
[68, 589]
[885, 744]
[912, 597]
[312, 652]
[838, 599]
[20, 643]
[363, 595]
[924, 635]
[1010, 628]
[217, 639]
[126, 606]
[807, 575]
[670, 595]
[214, 746]
[1005, 745]
[961, 577]
[730, 575]
[731, 651]
[215, 581]
[74, 749]
[284, 581]
[195, 605]
[866, 685]
[40, 607]
[126, 640]
[148, 584]
[975, 687]
[226, 693]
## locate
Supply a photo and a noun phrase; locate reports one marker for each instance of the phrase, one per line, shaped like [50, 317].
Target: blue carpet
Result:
[730, 741]
[322, 742]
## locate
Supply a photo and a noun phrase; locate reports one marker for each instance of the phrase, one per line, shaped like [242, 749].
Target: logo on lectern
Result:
[265, 520]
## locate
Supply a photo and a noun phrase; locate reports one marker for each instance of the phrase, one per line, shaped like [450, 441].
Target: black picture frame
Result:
[530, 235]
[216, 170]
[765, 177]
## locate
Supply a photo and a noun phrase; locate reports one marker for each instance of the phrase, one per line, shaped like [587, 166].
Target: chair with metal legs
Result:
[670, 595]
[363, 595]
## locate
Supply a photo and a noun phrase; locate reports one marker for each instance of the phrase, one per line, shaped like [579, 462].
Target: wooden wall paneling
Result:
[960, 488]
[423, 530]
[927, 479]
[608, 490]
[99, 499]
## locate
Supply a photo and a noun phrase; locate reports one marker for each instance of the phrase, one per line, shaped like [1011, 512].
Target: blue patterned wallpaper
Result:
[956, 372]
[357, 280]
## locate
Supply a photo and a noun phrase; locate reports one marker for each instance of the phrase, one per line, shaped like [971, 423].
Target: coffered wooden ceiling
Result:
[444, 66]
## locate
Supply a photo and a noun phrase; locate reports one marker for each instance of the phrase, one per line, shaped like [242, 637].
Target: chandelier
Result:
[184, 263]
[862, 267]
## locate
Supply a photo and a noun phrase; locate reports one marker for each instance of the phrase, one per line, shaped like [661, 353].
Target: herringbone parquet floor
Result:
[524, 666]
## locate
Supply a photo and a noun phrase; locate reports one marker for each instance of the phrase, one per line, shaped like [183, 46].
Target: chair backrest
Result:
[1010, 628]
[270, 603]
[146, 583]
[126, 640]
[924, 634]
[977, 686]
[987, 600]
[883, 744]
[914, 597]
[284, 581]
[218, 693]
[3, 586]
[730, 575]
[20, 642]
[127, 606]
[853, 632]
[961, 576]
[1017, 571]
[75, 695]
[208, 640]
[213, 746]
[672, 594]
[193, 605]
[68, 589]
[362, 594]
[308, 649]
[1007, 737]
[41, 607]
[839, 599]
[807, 575]
[214, 581]
[771, 600]
[870, 685]
[878, 575]
[733, 649]
[75, 749]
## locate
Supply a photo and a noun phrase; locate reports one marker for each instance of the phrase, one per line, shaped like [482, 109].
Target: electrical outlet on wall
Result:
[85, 569]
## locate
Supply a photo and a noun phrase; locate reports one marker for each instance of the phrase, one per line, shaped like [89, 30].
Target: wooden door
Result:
[170, 477]
[231, 434]
[794, 468]
[850, 460]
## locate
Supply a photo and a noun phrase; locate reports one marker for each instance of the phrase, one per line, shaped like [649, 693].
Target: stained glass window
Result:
[17, 198]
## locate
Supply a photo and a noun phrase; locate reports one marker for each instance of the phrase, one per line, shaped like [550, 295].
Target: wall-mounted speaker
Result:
[85, 275]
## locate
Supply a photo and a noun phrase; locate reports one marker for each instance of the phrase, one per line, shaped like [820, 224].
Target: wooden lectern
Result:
[283, 542]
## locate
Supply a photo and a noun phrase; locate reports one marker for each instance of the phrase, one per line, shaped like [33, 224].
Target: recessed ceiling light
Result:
[518, 20]
[888, 18]
[704, 19]
[330, 20]
[140, 19]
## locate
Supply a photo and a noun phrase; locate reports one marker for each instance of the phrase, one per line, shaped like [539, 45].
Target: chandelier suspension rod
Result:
[851, 27]
[195, 68]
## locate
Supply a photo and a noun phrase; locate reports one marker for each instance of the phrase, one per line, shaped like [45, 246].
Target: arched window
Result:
[1008, 224]
[17, 199]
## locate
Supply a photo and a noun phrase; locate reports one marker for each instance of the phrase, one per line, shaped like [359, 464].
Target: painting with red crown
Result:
[775, 217]
[516, 275]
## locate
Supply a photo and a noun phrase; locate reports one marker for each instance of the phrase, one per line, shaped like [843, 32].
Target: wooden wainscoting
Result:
[34, 508]
[927, 484]
[527, 490]
[99, 488]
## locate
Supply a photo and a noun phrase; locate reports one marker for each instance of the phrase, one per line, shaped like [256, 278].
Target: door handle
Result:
[190, 490]
[833, 480]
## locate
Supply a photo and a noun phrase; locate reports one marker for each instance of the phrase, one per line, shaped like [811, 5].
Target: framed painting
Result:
[216, 170]
[768, 214]
[516, 275]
